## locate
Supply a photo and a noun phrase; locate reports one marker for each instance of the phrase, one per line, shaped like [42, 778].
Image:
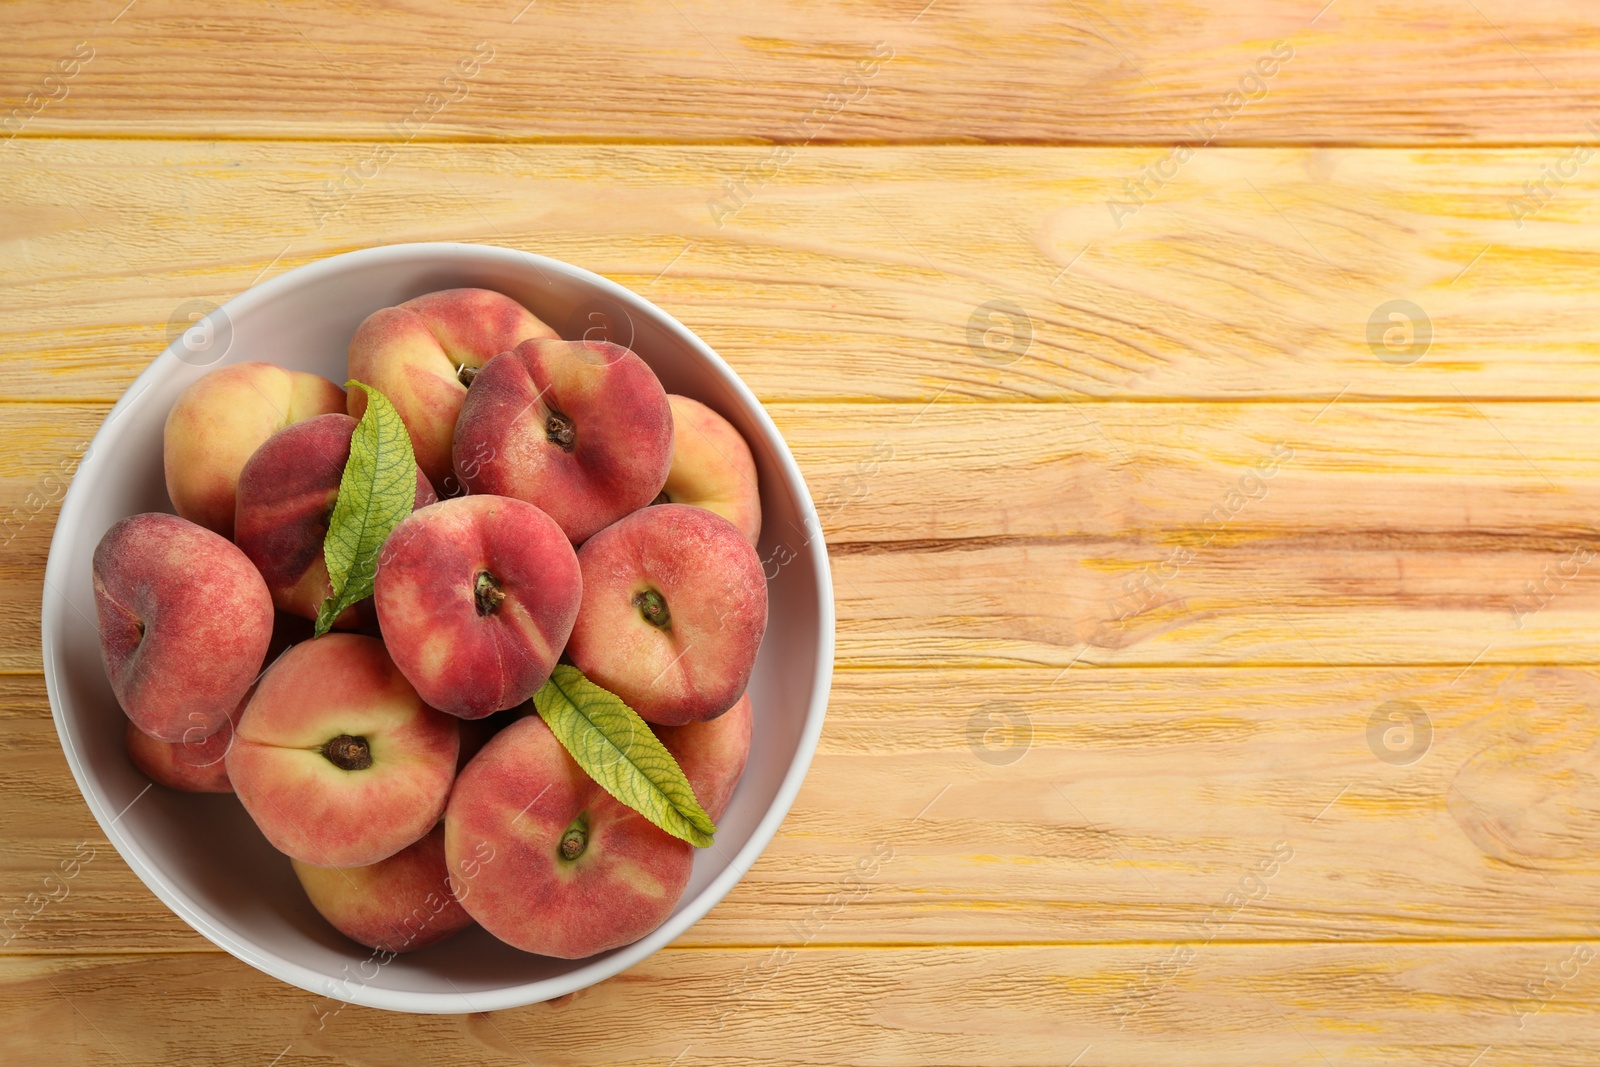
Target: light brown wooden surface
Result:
[1015, 71]
[1125, 807]
[1253, 274]
[1116, 1005]
[1095, 677]
[1016, 534]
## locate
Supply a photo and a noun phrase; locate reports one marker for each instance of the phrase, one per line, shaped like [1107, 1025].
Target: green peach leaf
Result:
[619, 751]
[376, 491]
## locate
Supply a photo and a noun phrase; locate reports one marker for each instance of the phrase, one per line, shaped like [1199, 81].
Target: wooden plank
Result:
[1253, 273]
[1123, 1005]
[1125, 534]
[1022, 71]
[1108, 805]
[1310, 601]
[907, 473]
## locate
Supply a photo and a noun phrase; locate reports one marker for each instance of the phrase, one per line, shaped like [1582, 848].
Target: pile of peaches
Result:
[569, 516]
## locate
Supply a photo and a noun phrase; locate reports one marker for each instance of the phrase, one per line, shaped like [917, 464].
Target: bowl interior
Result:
[201, 854]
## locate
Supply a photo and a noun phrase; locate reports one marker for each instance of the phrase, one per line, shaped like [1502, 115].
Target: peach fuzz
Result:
[218, 423]
[185, 621]
[546, 860]
[674, 609]
[476, 597]
[337, 759]
[399, 904]
[712, 467]
[286, 495]
[194, 765]
[712, 754]
[421, 354]
[582, 429]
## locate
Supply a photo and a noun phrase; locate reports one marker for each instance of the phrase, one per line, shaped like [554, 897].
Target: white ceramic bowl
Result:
[201, 854]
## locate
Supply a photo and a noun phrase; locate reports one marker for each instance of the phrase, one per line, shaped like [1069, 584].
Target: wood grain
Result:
[1125, 534]
[1087, 806]
[904, 474]
[1111, 1005]
[1212, 529]
[1024, 71]
[1254, 273]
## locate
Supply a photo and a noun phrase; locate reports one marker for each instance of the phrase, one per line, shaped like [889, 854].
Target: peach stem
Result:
[348, 753]
[653, 607]
[575, 840]
[486, 590]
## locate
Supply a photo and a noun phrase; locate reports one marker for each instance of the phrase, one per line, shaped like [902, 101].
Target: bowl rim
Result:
[598, 968]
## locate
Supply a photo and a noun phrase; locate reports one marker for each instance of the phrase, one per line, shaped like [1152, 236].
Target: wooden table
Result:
[1200, 403]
